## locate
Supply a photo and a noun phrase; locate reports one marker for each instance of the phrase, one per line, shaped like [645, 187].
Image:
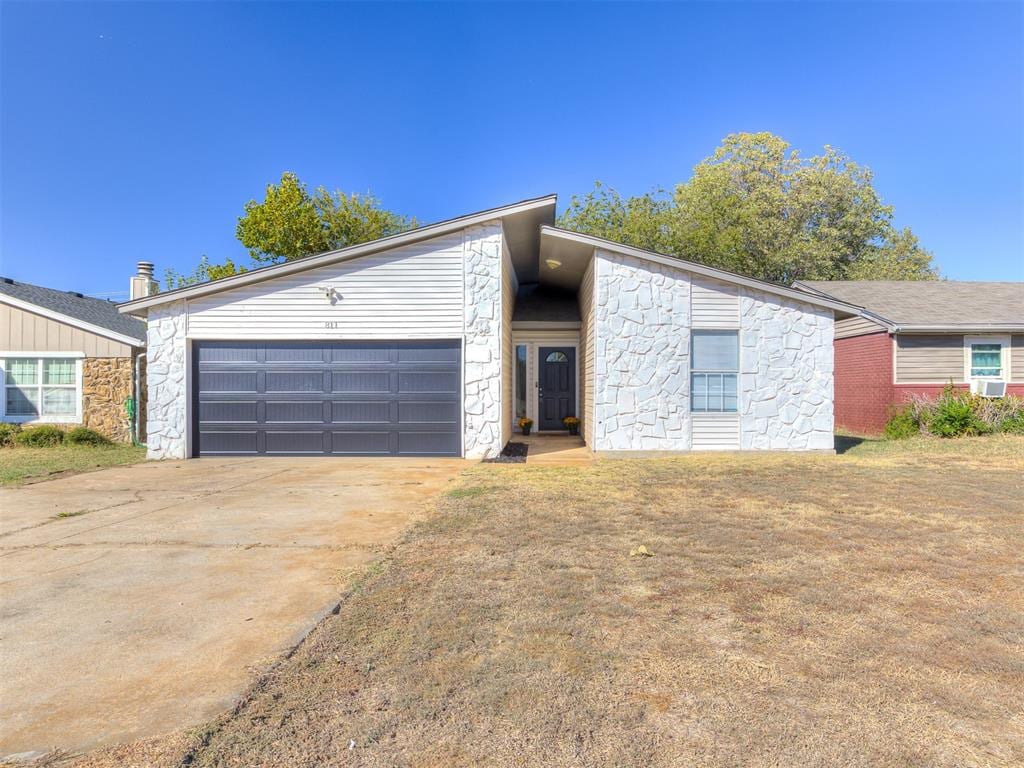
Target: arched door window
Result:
[556, 357]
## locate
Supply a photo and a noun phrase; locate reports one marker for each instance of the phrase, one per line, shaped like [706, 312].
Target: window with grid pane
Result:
[41, 388]
[714, 369]
[987, 359]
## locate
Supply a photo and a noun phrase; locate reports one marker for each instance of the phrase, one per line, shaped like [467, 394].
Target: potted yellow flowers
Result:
[525, 425]
[572, 424]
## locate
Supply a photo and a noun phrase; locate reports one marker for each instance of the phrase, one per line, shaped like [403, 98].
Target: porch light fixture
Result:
[553, 263]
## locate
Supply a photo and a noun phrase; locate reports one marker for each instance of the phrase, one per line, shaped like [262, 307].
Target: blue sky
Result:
[138, 130]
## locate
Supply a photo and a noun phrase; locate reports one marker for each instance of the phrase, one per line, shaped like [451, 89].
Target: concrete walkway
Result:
[556, 450]
[139, 600]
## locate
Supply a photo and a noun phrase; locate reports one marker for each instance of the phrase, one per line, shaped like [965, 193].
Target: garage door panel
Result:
[227, 381]
[361, 443]
[231, 411]
[428, 412]
[361, 412]
[244, 442]
[338, 398]
[309, 412]
[361, 381]
[294, 441]
[428, 381]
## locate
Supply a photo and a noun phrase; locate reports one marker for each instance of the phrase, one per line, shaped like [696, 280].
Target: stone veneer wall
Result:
[482, 327]
[641, 350]
[106, 384]
[786, 374]
[166, 378]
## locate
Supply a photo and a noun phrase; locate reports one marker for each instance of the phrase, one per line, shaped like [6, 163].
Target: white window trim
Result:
[1004, 357]
[20, 419]
[738, 372]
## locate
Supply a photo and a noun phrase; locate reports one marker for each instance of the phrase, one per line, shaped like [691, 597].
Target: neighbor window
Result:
[715, 357]
[987, 359]
[41, 389]
[520, 381]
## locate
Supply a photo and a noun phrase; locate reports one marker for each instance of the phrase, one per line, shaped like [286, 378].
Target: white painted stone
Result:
[167, 395]
[482, 384]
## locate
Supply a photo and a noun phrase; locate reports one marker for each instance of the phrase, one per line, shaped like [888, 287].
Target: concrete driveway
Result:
[138, 600]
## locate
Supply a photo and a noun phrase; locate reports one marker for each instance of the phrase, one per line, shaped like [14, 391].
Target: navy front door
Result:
[557, 386]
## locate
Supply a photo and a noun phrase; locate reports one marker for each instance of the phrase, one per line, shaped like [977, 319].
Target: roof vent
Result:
[76, 293]
[7, 280]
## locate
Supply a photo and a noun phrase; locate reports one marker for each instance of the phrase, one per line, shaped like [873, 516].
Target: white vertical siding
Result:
[509, 286]
[414, 292]
[586, 354]
[714, 304]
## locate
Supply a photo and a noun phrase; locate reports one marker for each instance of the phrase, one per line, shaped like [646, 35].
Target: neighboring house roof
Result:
[905, 305]
[97, 316]
[523, 218]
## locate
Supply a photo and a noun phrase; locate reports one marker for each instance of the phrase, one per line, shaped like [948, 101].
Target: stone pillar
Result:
[106, 384]
[482, 329]
[167, 377]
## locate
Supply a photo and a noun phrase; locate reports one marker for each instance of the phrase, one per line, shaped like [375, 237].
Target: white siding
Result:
[714, 304]
[415, 292]
[509, 286]
[586, 354]
[716, 431]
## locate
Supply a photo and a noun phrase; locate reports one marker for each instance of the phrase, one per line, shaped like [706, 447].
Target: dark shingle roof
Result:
[931, 302]
[99, 312]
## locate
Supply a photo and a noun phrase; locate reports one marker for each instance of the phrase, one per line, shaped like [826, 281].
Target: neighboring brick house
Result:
[916, 337]
[69, 359]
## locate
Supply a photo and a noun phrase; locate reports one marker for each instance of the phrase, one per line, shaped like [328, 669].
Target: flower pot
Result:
[526, 430]
[574, 430]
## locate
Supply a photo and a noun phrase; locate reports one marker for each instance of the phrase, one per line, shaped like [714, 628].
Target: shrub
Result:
[1013, 424]
[86, 436]
[902, 424]
[8, 433]
[954, 415]
[41, 437]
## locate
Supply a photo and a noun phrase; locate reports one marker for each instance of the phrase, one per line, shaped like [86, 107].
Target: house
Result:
[437, 340]
[916, 337]
[68, 358]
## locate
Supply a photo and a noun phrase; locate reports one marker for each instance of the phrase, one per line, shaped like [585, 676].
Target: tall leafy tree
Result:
[757, 208]
[291, 222]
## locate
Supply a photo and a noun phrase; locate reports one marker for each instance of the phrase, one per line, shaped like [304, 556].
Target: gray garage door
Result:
[334, 398]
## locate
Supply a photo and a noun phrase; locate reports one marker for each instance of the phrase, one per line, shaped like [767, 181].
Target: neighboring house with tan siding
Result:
[67, 358]
[914, 338]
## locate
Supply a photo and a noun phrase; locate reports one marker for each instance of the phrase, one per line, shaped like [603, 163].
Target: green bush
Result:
[954, 415]
[1013, 424]
[902, 424]
[86, 436]
[8, 433]
[42, 436]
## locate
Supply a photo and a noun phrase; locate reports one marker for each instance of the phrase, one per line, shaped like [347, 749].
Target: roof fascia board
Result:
[700, 269]
[965, 328]
[343, 254]
[99, 330]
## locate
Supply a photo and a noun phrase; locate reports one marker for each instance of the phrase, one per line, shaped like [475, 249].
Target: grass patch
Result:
[865, 609]
[23, 464]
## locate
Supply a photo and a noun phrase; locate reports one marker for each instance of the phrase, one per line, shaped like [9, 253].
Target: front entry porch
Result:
[552, 450]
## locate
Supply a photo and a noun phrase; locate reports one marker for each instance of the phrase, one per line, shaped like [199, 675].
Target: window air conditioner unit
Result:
[988, 387]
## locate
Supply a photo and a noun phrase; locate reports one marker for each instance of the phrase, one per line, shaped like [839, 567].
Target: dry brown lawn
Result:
[865, 609]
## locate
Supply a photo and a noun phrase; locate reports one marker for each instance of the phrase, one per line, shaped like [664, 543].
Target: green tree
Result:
[203, 273]
[291, 223]
[757, 208]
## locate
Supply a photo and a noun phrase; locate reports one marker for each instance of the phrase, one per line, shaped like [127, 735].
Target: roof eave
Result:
[342, 254]
[700, 269]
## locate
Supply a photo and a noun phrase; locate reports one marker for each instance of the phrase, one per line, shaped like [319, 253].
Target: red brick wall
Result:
[864, 390]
